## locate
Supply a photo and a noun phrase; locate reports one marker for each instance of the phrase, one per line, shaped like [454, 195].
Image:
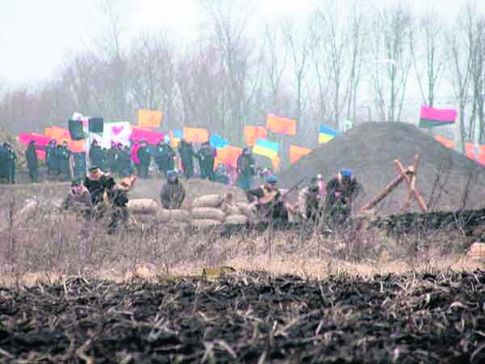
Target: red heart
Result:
[117, 129]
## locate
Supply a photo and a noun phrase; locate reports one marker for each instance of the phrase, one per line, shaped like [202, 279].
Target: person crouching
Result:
[172, 194]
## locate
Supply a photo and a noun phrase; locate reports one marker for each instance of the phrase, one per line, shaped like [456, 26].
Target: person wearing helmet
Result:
[341, 192]
[172, 194]
[268, 200]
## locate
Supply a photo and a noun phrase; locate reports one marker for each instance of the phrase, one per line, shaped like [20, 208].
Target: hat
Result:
[272, 179]
[171, 174]
[77, 182]
[93, 167]
[346, 173]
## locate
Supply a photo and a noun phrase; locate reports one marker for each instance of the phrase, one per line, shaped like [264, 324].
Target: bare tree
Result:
[392, 61]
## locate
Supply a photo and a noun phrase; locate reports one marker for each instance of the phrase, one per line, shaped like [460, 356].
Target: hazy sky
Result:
[37, 36]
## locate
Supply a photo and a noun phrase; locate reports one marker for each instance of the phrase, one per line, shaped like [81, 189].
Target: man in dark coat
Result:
[269, 201]
[32, 161]
[206, 156]
[97, 184]
[64, 162]
[172, 194]
[144, 156]
[341, 192]
[112, 158]
[96, 154]
[245, 169]
[79, 162]
[11, 159]
[186, 151]
[3, 164]
[124, 162]
[51, 159]
[164, 157]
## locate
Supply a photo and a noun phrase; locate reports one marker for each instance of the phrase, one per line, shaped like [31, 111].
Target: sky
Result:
[38, 36]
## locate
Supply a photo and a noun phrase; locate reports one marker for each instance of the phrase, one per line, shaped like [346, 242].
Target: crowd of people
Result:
[94, 188]
[122, 160]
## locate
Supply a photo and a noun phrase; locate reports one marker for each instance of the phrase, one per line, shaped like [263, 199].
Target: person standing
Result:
[164, 157]
[144, 157]
[51, 159]
[79, 168]
[124, 162]
[11, 159]
[95, 154]
[245, 169]
[32, 161]
[64, 162]
[206, 156]
[186, 151]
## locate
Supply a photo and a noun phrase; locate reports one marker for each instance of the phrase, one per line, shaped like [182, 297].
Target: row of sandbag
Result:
[206, 211]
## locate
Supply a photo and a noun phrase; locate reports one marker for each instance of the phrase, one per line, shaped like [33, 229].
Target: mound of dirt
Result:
[446, 179]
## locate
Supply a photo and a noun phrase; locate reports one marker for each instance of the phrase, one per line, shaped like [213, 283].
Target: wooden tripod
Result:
[405, 174]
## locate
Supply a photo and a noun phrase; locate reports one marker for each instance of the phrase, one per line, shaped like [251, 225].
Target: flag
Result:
[139, 134]
[326, 134]
[77, 146]
[228, 155]
[58, 134]
[149, 118]
[266, 148]
[175, 137]
[280, 125]
[114, 131]
[41, 141]
[296, 152]
[253, 132]
[196, 135]
[431, 117]
[276, 162]
[448, 143]
[217, 141]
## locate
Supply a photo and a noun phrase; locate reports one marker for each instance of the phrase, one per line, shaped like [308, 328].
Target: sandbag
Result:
[245, 209]
[203, 213]
[142, 206]
[173, 216]
[230, 209]
[214, 201]
[205, 223]
[236, 220]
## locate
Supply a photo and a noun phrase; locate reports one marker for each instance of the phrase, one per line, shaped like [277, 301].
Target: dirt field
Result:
[249, 318]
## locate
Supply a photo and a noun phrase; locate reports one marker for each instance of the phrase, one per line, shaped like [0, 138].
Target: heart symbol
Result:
[117, 129]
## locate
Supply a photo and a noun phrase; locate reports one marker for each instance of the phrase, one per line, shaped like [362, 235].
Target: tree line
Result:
[348, 60]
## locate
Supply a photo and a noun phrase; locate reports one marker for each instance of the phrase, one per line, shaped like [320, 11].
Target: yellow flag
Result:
[149, 118]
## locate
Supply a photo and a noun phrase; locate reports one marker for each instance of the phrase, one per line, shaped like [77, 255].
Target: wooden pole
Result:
[411, 182]
[387, 190]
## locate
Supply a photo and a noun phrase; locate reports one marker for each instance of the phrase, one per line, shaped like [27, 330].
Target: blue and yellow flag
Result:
[266, 148]
[326, 134]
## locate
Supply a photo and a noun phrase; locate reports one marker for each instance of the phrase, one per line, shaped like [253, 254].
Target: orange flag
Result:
[77, 146]
[196, 135]
[445, 141]
[281, 125]
[276, 161]
[59, 134]
[254, 132]
[228, 155]
[296, 152]
[149, 118]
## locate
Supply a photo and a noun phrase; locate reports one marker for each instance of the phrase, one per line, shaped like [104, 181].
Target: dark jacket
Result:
[31, 156]
[97, 187]
[172, 195]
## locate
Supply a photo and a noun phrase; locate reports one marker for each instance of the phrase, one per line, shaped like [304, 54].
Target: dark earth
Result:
[250, 318]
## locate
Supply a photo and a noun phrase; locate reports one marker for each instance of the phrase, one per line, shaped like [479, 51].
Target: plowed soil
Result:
[429, 318]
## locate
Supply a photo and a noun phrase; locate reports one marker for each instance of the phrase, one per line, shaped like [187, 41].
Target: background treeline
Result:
[348, 60]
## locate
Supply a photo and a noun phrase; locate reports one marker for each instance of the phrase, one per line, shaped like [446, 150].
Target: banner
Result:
[58, 134]
[139, 134]
[266, 148]
[196, 135]
[228, 155]
[41, 141]
[431, 117]
[280, 125]
[217, 141]
[76, 146]
[296, 152]
[149, 118]
[114, 131]
[325, 134]
[175, 137]
[252, 133]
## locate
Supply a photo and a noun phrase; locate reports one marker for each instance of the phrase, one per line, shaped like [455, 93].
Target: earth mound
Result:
[446, 179]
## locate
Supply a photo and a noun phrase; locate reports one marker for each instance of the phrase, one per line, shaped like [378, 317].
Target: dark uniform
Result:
[341, 191]
[96, 155]
[10, 159]
[144, 156]
[32, 162]
[206, 156]
[186, 151]
[245, 169]
[97, 184]
[51, 159]
[164, 158]
[63, 156]
[172, 194]
[124, 162]
[80, 165]
[3, 163]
